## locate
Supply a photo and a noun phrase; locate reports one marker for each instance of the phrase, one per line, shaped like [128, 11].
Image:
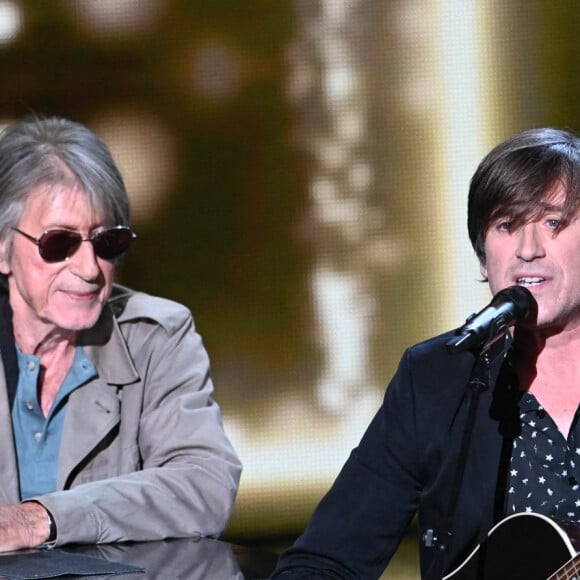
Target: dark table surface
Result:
[182, 559]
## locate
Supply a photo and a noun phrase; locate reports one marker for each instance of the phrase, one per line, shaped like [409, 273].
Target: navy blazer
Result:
[405, 465]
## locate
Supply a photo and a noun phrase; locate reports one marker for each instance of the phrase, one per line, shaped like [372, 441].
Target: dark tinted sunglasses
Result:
[59, 244]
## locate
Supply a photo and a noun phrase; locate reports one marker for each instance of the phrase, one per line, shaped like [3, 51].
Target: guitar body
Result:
[522, 546]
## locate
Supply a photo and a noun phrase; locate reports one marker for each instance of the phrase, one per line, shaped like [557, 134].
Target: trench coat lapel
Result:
[94, 409]
[92, 412]
[9, 484]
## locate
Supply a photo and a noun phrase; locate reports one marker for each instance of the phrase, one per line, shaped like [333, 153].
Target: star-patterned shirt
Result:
[545, 467]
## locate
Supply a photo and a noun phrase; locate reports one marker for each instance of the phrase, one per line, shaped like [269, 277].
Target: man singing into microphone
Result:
[524, 450]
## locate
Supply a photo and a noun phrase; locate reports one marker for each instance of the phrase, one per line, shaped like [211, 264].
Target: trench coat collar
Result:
[105, 345]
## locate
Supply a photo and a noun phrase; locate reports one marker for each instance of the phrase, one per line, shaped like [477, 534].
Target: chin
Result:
[78, 323]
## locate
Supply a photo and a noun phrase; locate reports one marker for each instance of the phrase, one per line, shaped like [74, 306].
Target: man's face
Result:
[542, 257]
[67, 295]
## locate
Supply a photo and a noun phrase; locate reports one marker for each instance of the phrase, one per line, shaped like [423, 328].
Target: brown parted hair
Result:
[517, 178]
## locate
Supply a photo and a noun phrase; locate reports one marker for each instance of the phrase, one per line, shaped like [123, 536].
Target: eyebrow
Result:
[551, 207]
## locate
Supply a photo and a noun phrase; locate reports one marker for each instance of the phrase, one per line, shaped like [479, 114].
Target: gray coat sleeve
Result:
[158, 463]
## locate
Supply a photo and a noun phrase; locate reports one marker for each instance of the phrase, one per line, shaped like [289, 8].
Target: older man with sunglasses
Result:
[108, 429]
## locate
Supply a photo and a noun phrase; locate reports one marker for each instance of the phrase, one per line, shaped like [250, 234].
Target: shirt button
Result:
[572, 481]
[30, 365]
[541, 414]
[38, 437]
[29, 405]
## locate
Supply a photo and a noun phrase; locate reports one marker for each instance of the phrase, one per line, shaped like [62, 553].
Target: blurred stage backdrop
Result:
[298, 170]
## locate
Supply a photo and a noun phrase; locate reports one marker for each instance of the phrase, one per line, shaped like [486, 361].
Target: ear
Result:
[483, 269]
[4, 253]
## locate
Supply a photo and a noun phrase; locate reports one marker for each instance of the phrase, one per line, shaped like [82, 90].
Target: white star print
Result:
[541, 474]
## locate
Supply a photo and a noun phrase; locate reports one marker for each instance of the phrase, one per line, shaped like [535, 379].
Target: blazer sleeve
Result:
[358, 525]
[177, 473]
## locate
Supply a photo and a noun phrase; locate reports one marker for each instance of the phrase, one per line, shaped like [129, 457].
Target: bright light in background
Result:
[465, 118]
[322, 434]
[11, 20]
[445, 86]
[343, 304]
[114, 17]
[144, 150]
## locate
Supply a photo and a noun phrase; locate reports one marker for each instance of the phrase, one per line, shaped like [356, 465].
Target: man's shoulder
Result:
[431, 363]
[435, 345]
[131, 305]
[430, 359]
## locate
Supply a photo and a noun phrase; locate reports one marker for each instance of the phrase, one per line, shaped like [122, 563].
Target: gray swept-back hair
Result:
[47, 152]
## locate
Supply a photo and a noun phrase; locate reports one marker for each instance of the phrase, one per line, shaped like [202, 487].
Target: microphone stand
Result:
[479, 382]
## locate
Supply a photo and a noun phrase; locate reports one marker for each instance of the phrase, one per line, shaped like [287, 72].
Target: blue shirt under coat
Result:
[37, 437]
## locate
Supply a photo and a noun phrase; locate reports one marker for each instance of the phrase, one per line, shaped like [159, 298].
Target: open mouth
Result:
[530, 280]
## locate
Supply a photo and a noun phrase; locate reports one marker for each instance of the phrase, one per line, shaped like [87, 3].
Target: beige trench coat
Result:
[143, 454]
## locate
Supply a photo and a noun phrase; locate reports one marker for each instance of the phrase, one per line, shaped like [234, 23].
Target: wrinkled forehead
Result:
[68, 198]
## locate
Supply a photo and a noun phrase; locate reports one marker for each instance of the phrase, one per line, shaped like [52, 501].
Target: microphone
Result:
[481, 330]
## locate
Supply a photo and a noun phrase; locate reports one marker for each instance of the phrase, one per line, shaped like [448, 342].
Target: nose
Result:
[529, 243]
[83, 263]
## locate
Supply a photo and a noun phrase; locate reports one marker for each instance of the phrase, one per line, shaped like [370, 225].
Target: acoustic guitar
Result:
[524, 546]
